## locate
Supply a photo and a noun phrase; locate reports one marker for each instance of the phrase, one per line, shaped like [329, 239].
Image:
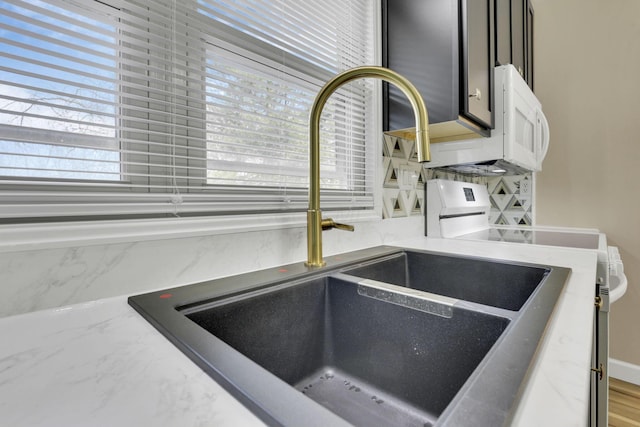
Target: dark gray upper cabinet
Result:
[446, 49]
[529, 42]
[477, 61]
[514, 36]
[503, 32]
[517, 35]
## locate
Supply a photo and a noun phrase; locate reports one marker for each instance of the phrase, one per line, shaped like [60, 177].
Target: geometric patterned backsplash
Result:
[511, 200]
[404, 178]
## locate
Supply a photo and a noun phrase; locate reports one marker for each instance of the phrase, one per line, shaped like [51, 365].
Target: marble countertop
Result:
[101, 364]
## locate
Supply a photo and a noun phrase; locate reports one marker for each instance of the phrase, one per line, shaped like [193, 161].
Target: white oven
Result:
[460, 210]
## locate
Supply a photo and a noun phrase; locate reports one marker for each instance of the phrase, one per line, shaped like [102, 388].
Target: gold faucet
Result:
[315, 223]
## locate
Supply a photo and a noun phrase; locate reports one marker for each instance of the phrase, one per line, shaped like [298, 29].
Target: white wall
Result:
[587, 75]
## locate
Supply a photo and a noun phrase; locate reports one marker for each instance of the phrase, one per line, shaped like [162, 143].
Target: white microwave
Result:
[518, 143]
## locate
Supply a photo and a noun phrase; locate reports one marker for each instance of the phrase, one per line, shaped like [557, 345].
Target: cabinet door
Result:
[518, 48]
[529, 39]
[420, 42]
[514, 36]
[503, 32]
[477, 60]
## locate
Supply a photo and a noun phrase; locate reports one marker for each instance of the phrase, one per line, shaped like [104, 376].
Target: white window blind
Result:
[188, 107]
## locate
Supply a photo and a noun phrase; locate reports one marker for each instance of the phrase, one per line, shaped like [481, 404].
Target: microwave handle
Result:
[544, 135]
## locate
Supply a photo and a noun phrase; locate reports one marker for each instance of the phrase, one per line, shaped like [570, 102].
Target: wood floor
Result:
[624, 404]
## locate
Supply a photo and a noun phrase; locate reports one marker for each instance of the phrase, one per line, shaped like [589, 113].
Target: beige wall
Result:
[587, 75]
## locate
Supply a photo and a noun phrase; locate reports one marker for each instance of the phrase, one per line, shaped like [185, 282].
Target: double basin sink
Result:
[383, 336]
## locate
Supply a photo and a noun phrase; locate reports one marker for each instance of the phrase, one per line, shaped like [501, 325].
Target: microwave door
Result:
[521, 139]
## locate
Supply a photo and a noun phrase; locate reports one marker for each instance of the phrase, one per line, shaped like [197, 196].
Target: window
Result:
[58, 102]
[180, 107]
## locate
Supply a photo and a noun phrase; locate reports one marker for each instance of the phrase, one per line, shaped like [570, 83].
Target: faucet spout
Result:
[314, 215]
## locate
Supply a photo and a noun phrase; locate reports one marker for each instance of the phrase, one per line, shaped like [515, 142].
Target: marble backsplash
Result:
[47, 278]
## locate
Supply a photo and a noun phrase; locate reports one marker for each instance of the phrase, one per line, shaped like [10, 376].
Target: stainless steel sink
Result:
[384, 336]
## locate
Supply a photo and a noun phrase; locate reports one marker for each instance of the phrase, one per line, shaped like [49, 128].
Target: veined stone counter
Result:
[102, 364]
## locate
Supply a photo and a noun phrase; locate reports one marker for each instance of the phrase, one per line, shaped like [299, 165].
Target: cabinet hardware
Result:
[599, 370]
[598, 302]
[477, 94]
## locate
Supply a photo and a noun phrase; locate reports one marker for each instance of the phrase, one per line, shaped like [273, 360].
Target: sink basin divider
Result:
[427, 302]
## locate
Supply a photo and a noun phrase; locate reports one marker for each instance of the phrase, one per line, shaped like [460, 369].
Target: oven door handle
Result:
[617, 279]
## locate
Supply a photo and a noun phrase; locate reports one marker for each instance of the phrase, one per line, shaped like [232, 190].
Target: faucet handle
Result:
[328, 224]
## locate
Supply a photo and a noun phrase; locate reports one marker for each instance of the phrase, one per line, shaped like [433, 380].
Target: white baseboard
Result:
[624, 371]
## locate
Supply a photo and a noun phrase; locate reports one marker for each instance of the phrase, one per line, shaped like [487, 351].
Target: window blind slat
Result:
[73, 21]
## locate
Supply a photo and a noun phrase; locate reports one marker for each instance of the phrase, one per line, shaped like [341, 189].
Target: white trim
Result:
[22, 237]
[624, 371]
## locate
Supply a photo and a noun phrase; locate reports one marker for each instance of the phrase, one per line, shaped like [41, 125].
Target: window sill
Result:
[24, 237]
